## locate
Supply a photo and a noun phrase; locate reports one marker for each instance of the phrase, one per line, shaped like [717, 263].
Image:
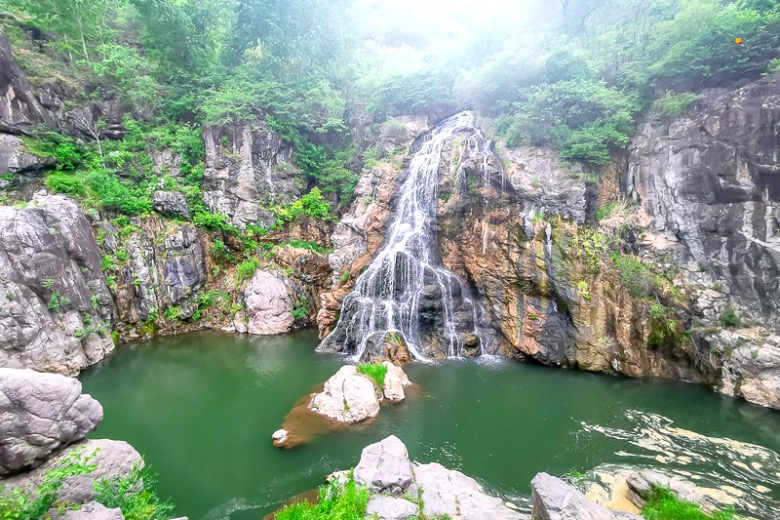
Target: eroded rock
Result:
[391, 508]
[268, 305]
[641, 483]
[385, 467]
[91, 511]
[40, 414]
[553, 499]
[348, 397]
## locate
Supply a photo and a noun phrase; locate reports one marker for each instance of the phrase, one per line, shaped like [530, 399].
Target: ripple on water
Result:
[723, 469]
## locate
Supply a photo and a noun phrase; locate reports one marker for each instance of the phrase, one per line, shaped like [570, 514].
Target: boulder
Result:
[40, 414]
[395, 381]
[268, 305]
[20, 110]
[172, 203]
[348, 397]
[91, 511]
[385, 467]
[390, 508]
[111, 459]
[450, 492]
[554, 499]
[640, 483]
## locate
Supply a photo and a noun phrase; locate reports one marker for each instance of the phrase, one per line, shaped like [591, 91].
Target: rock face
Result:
[553, 499]
[268, 305]
[385, 468]
[20, 110]
[91, 511]
[395, 381]
[710, 182]
[55, 308]
[111, 459]
[171, 203]
[40, 414]
[348, 397]
[248, 170]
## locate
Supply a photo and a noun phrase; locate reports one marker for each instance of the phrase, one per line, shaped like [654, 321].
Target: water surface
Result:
[202, 408]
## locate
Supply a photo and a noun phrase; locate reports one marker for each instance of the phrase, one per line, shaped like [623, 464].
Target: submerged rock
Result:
[41, 413]
[554, 499]
[348, 397]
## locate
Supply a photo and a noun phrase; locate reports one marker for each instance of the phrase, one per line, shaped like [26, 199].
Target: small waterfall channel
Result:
[405, 290]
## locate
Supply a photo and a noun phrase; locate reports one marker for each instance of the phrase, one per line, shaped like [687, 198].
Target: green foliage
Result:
[312, 205]
[311, 246]
[212, 221]
[134, 495]
[345, 277]
[412, 93]
[300, 311]
[672, 105]
[665, 329]
[605, 211]
[662, 504]
[634, 275]
[246, 270]
[729, 318]
[173, 313]
[374, 371]
[584, 118]
[337, 502]
[34, 504]
[130, 73]
[57, 301]
[220, 251]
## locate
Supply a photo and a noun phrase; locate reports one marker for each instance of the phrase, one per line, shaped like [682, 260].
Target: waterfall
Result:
[405, 290]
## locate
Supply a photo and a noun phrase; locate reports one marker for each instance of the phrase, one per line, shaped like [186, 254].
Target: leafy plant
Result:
[246, 270]
[173, 313]
[375, 371]
[672, 104]
[336, 501]
[662, 504]
[134, 495]
[345, 277]
[729, 318]
[57, 301]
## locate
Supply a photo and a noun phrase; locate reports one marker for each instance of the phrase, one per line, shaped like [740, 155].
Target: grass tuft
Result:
[375, 371]
[662, 504]
[337, 501]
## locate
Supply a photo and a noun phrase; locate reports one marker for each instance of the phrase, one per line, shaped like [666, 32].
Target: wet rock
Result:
[279, 437]
[111, 459]
[268, 305]
[348, 397]
[91, 511]
[553, 499]
[450, 492]
[385, 467]
[171, 203]
[41, 413]
[248, 169]
[55, 308]
[395, 381]
[390, 508]
[641, 483]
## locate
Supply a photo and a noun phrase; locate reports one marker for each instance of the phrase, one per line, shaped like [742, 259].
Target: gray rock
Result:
[172, 203]
[348, 397]
[450, 492]
[111, 458]
[20, 110]
[55, 309]
[14, 158]
[389, 508]
[40, 414]
[385, 467]
[268, 304]
[641, 483]
[553, 499]
[248, 169]
[91, 511]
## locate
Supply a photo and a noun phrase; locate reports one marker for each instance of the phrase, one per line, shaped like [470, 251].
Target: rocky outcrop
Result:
[395, 381]
[641, 483]
[171, 203]
[14, 158]
[20, 110]
[40, 414]
[248, 170]
[348, 397]
[268, 305]
[709, 182]
[553, 499]
[386, 470]
[91, 511]
[391, 508]
[111, 459]
[55, 309]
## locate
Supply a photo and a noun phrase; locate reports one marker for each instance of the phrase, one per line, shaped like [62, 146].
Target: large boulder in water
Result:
[348, 397]
[385, 467]
[554, 499]
[40, 414]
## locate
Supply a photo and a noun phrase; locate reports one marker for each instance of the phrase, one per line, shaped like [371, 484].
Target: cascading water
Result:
[406, 290]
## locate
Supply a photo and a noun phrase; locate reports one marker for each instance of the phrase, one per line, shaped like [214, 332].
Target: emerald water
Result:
[202, 408]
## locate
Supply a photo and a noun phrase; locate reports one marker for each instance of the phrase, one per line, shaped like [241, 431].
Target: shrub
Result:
[305, 244]
[662, 504]
[375, 371]
[729, 318]
[337, 501]
[172, 313]
[345, 277]
[134, 495]
[634, 275]
[672, 105]
[246, 270]
[65, 183]
[212, 221]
